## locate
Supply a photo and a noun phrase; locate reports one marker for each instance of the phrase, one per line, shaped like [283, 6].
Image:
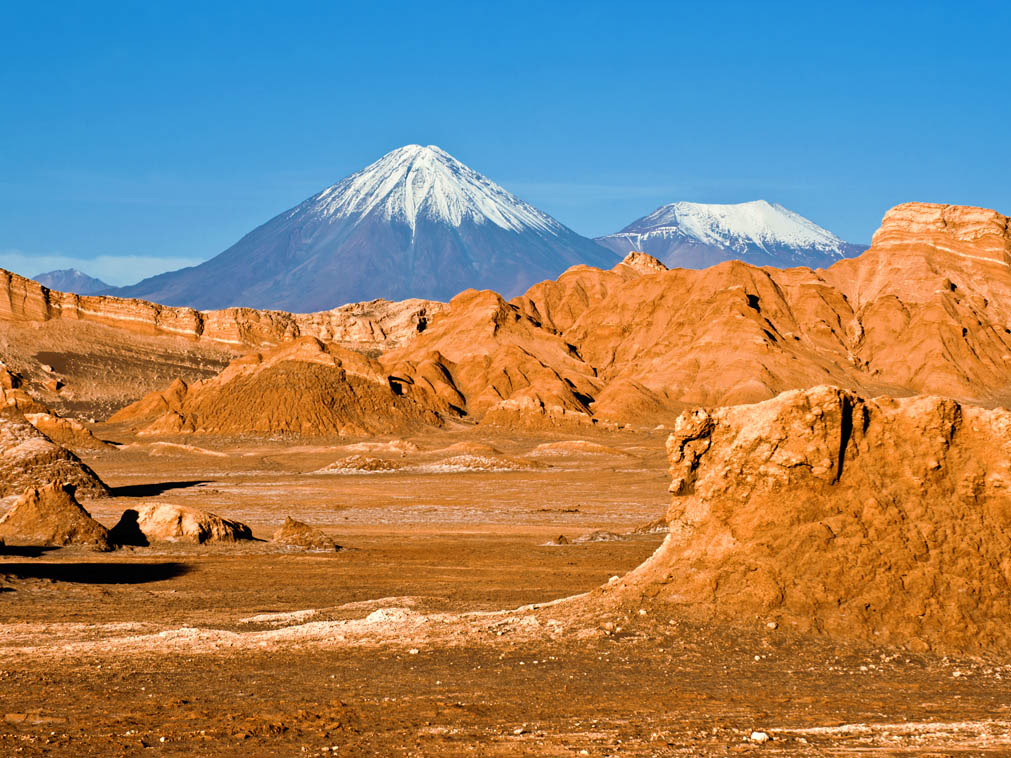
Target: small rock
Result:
[760, 737]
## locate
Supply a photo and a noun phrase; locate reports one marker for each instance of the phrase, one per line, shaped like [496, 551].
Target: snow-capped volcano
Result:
[416, 223]
[696, 235]
[417, 181]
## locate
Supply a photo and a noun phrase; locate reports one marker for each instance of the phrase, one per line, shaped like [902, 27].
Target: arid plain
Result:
[632, 512]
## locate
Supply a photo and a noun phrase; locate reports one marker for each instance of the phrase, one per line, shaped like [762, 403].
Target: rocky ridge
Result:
[374, 325]
[927, 309]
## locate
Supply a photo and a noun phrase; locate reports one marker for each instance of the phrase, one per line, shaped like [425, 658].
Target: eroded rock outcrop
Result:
[881, 520]
[294, 533]
[165, 522]
[302, 388]
[28, 458]
[51, 515]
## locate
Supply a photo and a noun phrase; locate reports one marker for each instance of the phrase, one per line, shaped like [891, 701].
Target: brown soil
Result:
[232, 650]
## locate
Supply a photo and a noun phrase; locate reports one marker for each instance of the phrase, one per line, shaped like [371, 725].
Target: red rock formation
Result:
[28, 458]
[51, 515]
[882, 520]
[927, 309]
[165, 522]
[373, 325]
[302, 388]
[298, 534]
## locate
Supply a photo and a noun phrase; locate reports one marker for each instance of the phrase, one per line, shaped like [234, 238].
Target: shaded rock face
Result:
[295, 533]
[882, 520]
[301, 388]
[28, 458]
[164, 522]
[51, 515]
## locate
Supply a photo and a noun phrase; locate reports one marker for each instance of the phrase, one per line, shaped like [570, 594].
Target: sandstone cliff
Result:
[90, 356]
[882, 520]
[375, 325]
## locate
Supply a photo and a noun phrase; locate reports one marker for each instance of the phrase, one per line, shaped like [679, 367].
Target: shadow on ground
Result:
[25, 551]
[96, 573]
[154, 489]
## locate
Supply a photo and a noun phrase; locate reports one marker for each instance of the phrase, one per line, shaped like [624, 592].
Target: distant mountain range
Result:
[71, 280]
[696, 235]
[416, 223]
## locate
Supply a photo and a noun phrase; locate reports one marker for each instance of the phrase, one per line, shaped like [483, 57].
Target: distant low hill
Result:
[71, 280]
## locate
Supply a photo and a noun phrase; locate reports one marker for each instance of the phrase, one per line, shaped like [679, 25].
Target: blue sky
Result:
[139, 137]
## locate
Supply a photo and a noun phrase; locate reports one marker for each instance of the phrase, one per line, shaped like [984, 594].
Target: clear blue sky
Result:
[136, 137]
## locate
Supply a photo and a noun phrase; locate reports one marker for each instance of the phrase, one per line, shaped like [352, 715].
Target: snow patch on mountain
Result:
[737, 227]
[415, 181]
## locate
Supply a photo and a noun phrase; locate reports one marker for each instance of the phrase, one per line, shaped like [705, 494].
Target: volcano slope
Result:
[884, 521]
[302, 388]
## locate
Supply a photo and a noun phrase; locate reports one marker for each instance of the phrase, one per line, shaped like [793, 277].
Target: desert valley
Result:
[633, 509]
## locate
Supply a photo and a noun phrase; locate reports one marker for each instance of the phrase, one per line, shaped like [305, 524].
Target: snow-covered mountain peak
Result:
[415, 181]
[757, 223]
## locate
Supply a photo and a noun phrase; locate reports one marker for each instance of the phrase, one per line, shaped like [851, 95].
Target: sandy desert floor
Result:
[433, 632]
